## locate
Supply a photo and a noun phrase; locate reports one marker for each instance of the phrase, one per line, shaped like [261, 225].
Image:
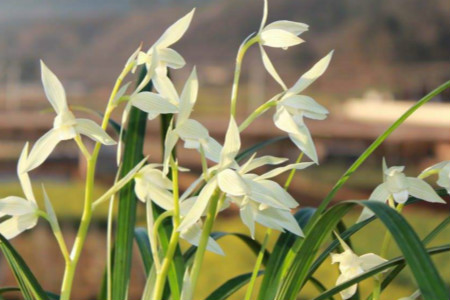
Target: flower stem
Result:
[259, 111]
[173, 243]
[86, 217]
[237, 71]
[207, 228]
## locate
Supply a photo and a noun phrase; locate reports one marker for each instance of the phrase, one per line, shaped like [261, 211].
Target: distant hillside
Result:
[401, 45]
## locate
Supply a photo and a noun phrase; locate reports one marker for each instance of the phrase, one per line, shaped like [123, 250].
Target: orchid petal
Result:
[212, 149]
[53, 88]
[232, 183]
[270, 68]
[16, 206]
[231, 146]
[279, 193]
[153, 104]
[171, 58]
[305, 103]
[278, 171]
[370, 260]
[279, 38]
[310, 76]
[193, 236]
[264, 17]
[175, 31]
[169, 144]
[422, 190]
[23, 175]
[192, 129]
[42, 149]
[200, 205]
[188, 97]
[49, 208]
[284, 219]
[92, 130]
[290, 26]
[248, 218]
[261, 161]
[16, 225]
[165, 87]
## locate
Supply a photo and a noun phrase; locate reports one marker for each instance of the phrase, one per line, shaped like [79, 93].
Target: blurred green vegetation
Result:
[67, 199]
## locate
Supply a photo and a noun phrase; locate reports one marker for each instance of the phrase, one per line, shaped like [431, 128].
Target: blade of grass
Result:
[230, 287]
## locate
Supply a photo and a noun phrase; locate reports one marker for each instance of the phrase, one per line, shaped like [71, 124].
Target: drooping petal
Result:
[278, 38]
[444, 177]
[188, 97]
[42, 149]
[437, 166]
[175, 31]
[153, 104]
[16, 206]
[193, 236]
[380, 193]
[304, 103]
[16, 225]
[212, 149]
[232, 183]
[92, 130]
[171, 58]
[371, 260]
[231, 146]
[310, 76]
[49, 208]
[279, 193]
[261, 161]
[192, 129]
[422, 190]
[200, 205]
[165, 87]
[270, 68]
[248, 218]
[401, 197]
[53, 88]
[348, 292]
[264, 16]
[23, 175]
[290, 26]
[280, 170]
[163, 198]
[261, 194]
[284, 219]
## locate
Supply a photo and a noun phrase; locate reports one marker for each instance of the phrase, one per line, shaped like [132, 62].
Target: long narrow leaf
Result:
[143, 242]
[28, 284]
[230, 287]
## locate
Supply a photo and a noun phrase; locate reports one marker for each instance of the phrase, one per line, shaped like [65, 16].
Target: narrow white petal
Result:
[280, 170]
[165, 87]
[200, 205]
[305, 103]
[283, 218]
[212, 149]
[284, 121]
[380, 193]
[92, 130]
[192, 129]
[191, 188]
[437, 166]
[23, 175]
[42, 149]
[348, 292]
[370, 260]
[231, 146]
[16, 225]
[133, 57]
[261, 161]
[264, 17]
[267, 221]
[163, 198]
[248, 218]
[279, 38]
[152, 103]
[232, 183]
[305, 143]
[188, 97]
[270, 68]
[171, 58]
[261, 194]
[290, 26]
[16, 206]
[309, 77]
[279, 193]
[169, 144]
[53, 88]
[193, 236]
[49, 208]
[444, 177]
[175, 31]
[422, 190]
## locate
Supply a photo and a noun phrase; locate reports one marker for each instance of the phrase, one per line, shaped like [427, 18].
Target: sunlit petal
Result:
[270, 68]
[153, 104]
[279, 38]
[290, 26]
[16, 225]
[188, 97]
[42, 149]
[175, 31]
[92, 130]
[53, 88]
[422, 190]
[231, 146]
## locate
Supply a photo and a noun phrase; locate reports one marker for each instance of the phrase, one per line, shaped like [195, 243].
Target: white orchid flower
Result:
[167, 57]
[443, 169]
[399, 187]
[23, 211]
[65, 125]
[352, 265]
[279, 34]
[192, 132]
[260, 199]
[292, 108]
[151, 184]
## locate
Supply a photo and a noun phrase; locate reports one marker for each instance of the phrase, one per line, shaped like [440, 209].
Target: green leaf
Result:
[319, 286]
[29, 286]
[301, 256]
[378, 269]
[323, 205]
[284, 243]
[143, 242]
[126, 219]
[254, 246]
[230, 287]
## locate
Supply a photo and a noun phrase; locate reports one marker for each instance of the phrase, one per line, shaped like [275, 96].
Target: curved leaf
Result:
[230, 287]
[143, 242]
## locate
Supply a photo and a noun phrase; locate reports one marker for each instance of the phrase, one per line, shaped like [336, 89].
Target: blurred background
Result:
[388, 54]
